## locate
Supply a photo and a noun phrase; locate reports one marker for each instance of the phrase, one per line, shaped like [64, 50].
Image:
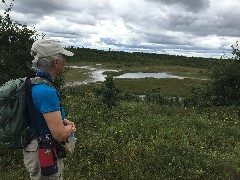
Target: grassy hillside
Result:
[139, 140]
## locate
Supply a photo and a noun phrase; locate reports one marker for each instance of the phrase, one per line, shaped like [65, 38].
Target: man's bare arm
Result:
[59, 131]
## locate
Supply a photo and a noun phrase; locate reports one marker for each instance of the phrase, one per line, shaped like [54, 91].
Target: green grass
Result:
[136, 140]
[11, 165]
[143, 141]
[172, 87]
[77, 75]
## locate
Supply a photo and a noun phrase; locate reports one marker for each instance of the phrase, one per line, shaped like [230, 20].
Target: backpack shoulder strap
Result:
[41, 80]
[29, 81]
[28, 90]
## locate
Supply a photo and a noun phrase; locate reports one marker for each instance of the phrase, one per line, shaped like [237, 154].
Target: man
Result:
[49, 63]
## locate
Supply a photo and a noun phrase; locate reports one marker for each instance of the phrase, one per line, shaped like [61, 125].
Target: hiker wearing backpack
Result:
[43, 156]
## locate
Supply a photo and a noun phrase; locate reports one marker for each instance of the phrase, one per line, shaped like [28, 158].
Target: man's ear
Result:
[55, 62]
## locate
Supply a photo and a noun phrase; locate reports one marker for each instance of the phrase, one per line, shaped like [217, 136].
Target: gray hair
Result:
[45, 62]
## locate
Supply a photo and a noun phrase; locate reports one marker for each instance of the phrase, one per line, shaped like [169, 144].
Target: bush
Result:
[15, 45]
[109, 93]
[225, 82]
[201, 96]
[223, 88]
[156, 96]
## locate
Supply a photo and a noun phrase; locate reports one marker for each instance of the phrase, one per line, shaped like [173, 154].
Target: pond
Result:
[98, 76]
[139, 75]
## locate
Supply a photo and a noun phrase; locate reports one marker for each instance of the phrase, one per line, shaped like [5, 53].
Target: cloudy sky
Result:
[205, 28]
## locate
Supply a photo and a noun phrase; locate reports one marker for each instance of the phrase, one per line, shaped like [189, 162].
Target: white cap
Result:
[46, 48]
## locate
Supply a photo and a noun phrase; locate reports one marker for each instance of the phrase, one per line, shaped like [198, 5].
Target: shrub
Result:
[109, 93]
[15, 44]
[201, 96]
[223, 88]
[225, 82]
[156, 96]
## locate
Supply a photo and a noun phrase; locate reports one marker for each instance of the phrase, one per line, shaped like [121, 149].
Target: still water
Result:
[97, 75]
[148, 75]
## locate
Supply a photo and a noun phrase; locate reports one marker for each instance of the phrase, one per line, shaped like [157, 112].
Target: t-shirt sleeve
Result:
[45, 98]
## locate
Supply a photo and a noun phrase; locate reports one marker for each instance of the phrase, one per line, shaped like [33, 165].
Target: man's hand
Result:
[67, 122]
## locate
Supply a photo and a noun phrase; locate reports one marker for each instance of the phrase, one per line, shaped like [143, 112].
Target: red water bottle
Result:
[47, 156]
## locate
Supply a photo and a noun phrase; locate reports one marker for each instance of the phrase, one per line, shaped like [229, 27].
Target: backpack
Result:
[14, 130]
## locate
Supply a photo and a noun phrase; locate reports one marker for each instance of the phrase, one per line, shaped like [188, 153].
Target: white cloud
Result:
[194, 28]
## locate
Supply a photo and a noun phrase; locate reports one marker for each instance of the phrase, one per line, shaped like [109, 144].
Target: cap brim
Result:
[67, 53]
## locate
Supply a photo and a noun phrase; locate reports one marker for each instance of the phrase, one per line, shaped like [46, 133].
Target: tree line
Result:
[94, 55]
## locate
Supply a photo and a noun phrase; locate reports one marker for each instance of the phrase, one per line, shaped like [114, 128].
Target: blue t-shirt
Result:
[46, 99]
